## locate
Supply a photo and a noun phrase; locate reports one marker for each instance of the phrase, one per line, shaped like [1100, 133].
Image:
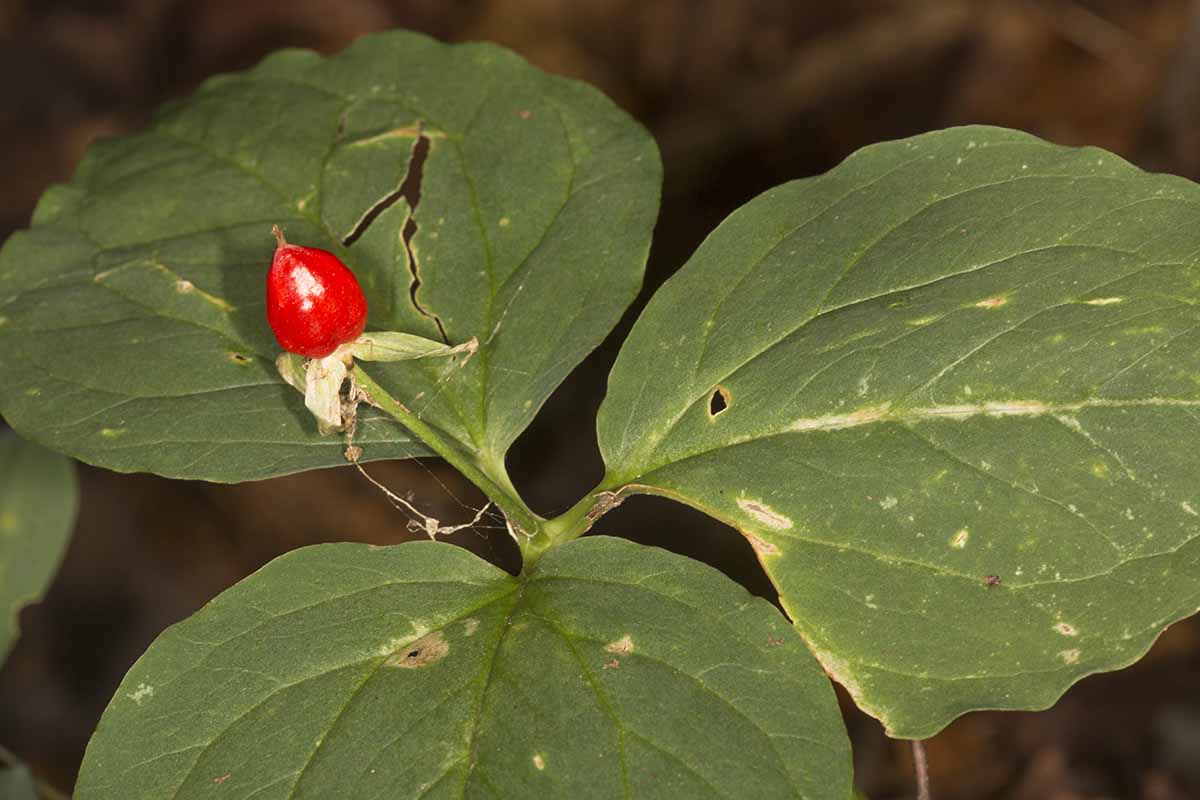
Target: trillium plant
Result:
[948, 392]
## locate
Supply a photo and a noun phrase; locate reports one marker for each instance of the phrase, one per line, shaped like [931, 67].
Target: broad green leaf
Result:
[611, 670]
[38, 500]
[132, 324]
[963, 355]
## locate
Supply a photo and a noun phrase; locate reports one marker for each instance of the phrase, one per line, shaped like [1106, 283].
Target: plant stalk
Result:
[534, 534]
[921, 767]
[574, 522]
[527, 526]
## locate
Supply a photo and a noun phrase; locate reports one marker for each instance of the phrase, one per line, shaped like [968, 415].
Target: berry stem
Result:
[527, 527]
[278, 232]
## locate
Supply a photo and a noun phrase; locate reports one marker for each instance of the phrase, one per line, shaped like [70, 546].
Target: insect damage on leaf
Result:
[408, 190]
[621, 647]
[764, 514]
[427, 650]
[718, 402]
[761, 546]
[992, 302]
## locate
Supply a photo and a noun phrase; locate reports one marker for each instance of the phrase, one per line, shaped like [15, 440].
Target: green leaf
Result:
[38, 500]
[967, 354]
[132, 323]
[612, 670]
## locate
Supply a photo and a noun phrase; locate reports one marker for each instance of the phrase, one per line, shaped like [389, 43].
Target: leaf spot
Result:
[1066, 629]
[863, 416]
[888, 503]
[470, 626]
[839, 670]
[421, 653]
[142, 692]
[1070, 656]
[1189, 508]
[761, 546]
[415, 131]
[718, 402]
[1104, 301]
[239, 359]
[1070, 422]
[959, 540]
[992, 302]
[222, 778]
[922, 321]
[614, 664]
[505, 222]
[539, 762]
[621, 647]
[764, 514]
[113, 433]
[1010, 408]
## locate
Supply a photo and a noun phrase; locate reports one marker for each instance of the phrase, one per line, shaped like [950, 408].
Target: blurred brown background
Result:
[741, 95]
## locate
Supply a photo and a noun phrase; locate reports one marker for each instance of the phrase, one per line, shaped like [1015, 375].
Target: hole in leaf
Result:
[718, 401]
[421, 653]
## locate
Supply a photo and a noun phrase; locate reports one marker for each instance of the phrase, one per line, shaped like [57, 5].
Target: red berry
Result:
[314, 302]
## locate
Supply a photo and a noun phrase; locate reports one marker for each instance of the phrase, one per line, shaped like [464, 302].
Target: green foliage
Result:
[608, 670]
[38, 501]
[963, 355]
[133, 333]
[948, 392]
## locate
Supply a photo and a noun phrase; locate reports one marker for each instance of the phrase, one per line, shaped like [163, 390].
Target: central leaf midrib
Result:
[488, 674]
[820, 312]
[275, 691]
[913, 415]
[491, 326]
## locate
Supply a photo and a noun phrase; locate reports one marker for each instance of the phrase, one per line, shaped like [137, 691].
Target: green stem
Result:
[527, 525]
[535, 535]
[573, 523]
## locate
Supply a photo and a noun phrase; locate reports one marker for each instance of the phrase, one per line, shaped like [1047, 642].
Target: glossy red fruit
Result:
[314, 302]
